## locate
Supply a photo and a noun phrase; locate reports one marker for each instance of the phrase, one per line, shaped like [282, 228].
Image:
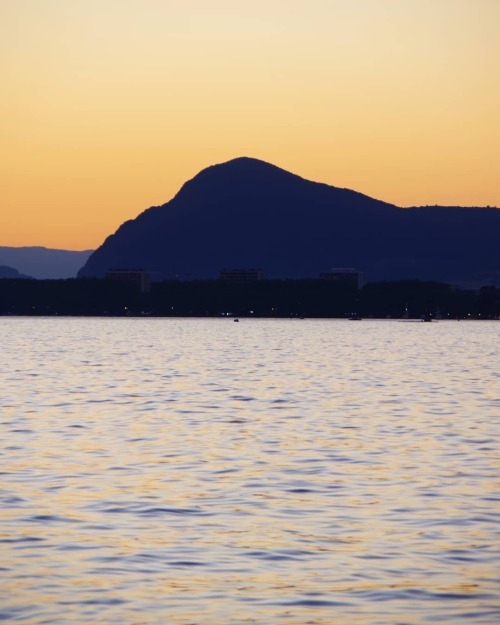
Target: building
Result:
[134, 276]
[242, 275]
[345, 275]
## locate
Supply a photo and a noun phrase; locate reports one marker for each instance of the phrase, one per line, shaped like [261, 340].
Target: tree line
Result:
[265, 298]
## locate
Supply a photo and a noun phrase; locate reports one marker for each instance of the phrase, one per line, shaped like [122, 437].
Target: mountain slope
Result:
[12, 274]
[248, 213]
[44, 263]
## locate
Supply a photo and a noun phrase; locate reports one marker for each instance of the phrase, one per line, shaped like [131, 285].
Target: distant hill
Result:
[9, 272]
[44, 263]
[248, 213]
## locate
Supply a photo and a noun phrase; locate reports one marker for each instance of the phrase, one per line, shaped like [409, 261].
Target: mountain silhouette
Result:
[42, 262]
[12, 274]
[248, 213]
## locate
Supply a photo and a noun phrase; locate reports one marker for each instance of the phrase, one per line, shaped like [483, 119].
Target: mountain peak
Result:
[246, 162]
[246, 166]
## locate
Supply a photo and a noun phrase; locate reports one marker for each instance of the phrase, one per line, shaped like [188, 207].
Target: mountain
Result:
[13, 274]
[44, 263]
[248, 213]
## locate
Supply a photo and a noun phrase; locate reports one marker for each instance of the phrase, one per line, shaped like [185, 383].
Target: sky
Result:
[109, 106]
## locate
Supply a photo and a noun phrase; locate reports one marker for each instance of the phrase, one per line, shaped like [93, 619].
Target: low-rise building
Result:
[345, 275]
[242, 275]
[135, 276]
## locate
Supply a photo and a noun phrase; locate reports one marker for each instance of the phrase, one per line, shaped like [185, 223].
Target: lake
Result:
[271, 471]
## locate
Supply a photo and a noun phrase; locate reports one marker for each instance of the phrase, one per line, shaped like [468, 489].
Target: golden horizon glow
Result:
[109, 106]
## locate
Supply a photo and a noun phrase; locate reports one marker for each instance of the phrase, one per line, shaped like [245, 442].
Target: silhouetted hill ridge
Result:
[248, 213]
[12, 274]
[42, 262]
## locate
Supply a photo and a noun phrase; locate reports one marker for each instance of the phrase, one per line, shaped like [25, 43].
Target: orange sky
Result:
[108, 106]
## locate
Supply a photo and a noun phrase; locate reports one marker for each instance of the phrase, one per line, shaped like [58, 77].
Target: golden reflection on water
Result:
[191, 471]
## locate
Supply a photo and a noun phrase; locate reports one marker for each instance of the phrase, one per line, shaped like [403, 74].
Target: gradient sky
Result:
[108, 106]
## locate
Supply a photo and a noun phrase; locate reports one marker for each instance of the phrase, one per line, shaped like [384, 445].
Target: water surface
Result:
[199, 471]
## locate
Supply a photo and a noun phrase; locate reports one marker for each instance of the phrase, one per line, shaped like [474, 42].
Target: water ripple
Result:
[172, 471]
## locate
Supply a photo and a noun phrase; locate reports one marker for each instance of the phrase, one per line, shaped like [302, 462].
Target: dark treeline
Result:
[267, 298]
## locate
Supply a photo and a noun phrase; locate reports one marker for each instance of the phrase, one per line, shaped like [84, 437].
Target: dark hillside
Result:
[247, 213]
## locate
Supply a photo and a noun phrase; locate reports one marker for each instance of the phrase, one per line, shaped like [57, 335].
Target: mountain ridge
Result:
[12, 274]
[44, 262]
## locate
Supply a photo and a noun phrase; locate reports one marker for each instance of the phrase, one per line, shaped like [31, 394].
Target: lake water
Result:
[201, 471]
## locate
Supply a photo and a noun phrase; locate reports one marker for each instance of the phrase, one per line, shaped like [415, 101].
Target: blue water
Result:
[198, 471]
